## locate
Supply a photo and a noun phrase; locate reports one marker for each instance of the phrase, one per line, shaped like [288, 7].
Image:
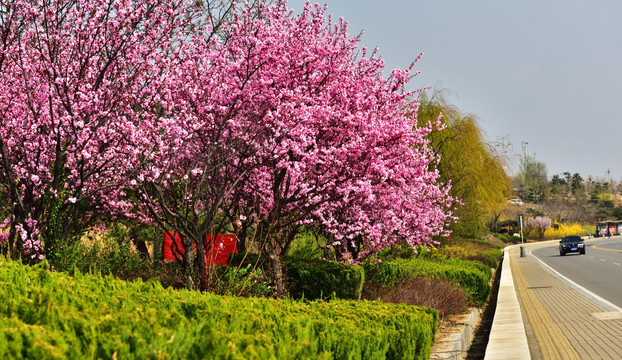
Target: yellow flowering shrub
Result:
[560, 230]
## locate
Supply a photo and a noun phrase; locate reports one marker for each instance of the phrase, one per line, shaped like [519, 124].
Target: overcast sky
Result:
[546, 73]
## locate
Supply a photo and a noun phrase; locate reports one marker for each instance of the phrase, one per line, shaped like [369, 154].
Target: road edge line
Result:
[577, 286]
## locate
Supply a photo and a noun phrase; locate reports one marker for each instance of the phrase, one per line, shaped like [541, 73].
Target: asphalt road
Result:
[598, 270]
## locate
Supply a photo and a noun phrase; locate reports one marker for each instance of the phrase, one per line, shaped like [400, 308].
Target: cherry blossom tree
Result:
[80, 95]
[537, 226]
[343, 153]
[283, 121]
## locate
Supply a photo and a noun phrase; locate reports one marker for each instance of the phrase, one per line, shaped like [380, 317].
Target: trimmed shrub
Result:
[325, 279]
[473, 276]
[442, 296]
[489, 257]
[47, 315]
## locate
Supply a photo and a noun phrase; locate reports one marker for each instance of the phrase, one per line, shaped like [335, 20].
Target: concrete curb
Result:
[507, 339]
[456, 345]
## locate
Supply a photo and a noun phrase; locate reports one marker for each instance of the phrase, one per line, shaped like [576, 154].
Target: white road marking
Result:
[577, 286]
[616, 264]
[603, 260]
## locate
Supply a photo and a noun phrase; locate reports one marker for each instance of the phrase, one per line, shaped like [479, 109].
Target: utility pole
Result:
[525, 146]
[608, 176]
[520, 219]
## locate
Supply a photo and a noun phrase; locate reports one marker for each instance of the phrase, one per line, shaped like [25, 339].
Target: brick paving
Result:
[561, 323]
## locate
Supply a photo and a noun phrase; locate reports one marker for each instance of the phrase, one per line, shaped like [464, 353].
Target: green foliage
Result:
[324, 279]
[243, 280]
[489, 257]
[510, 226]
[474, 169]
[247, 275]
[471, 275]
[111, 252]
[531, 212]
[46, 315]
[503, 237]
[305, 247]
[558, 186]
[532, 180]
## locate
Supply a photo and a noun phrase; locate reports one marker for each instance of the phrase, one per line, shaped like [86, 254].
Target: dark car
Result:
[572, 243]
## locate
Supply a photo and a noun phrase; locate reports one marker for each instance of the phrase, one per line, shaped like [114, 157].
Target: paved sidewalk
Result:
[559, 322]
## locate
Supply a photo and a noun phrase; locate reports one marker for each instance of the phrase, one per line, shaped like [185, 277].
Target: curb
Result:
[507, 339]
[456, 345]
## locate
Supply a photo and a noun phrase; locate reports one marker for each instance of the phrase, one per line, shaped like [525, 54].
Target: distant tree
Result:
[558, 186]
[577, 188]
[600, 193]
[509, 226]
[537, 226]
[531, 180]
[569, 210]
[568, 181]
[475, 171]
[534, 212]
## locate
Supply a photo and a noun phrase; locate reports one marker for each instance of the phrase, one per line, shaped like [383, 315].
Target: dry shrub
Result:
[440, 295]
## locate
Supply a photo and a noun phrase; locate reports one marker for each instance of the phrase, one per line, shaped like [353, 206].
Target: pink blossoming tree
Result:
[538, 226]
[288, 123]
[80, 89]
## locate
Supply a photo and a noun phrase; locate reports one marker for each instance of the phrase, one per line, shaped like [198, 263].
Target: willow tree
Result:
[472, 166]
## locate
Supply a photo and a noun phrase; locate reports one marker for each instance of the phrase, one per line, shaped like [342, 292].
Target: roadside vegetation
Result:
[47, 315]
[565, 204]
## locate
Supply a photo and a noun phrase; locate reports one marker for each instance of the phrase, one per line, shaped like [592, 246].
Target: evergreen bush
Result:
[472, 275]
[49, 315]
[324, 279]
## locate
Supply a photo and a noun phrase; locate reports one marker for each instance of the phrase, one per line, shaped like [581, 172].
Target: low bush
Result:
[47, 315]
[471, 275]
[245, 280]
[442, 296]
[308, 278]
[485, 252]
[325, 279]
[514, 239]
[502, 237]
[110, 252]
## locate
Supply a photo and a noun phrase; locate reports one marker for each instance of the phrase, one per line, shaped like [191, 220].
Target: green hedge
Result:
[490, 257]
[325, 279]
[46, 315]
[473, 276]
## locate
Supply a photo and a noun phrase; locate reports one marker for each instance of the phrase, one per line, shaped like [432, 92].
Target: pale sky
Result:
[546, 72]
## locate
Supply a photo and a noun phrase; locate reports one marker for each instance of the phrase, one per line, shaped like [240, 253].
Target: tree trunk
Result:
[203, 283]
[188, 264]
[277, 269]
[12, 244]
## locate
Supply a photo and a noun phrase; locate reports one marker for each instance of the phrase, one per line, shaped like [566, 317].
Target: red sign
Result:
[216, 251]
